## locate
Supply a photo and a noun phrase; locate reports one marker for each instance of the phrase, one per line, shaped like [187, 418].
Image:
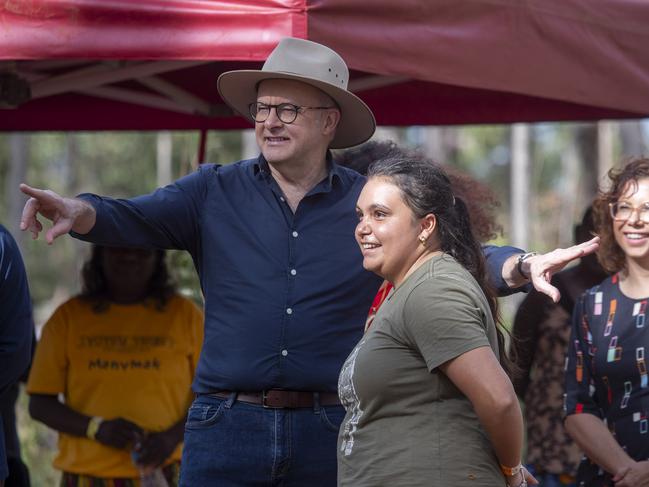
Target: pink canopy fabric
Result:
[153, 64]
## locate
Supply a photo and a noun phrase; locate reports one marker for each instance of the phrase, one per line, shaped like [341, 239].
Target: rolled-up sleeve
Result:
[496, 257]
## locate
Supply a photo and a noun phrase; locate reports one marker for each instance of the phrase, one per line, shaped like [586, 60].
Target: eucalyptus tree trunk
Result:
[164, 150]
[605, 158]
[249, 147]
[19, 156]
[520, 185]
[571, 194]
[632, 139]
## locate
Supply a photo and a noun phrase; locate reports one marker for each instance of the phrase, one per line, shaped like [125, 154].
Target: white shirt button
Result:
[293, 272]
[281, 198]
[294, 233]
[289, 311]
[284, 353]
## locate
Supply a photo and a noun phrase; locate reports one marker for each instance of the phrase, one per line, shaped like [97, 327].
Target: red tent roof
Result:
[153, 64]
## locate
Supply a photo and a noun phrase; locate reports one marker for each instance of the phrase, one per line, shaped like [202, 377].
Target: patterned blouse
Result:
[606, 372]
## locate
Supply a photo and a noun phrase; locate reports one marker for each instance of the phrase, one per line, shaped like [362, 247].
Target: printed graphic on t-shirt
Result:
[349, 400]
[143, 351]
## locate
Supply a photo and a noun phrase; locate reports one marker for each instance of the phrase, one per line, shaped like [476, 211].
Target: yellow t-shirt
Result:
[131, 361]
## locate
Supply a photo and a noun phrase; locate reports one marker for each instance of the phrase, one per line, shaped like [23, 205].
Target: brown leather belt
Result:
[277, 398]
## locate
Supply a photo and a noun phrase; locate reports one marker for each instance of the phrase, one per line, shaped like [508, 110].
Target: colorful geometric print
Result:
[614, 352]
[642, 420]
[588, 335]
[597, 310]
[628, 387]
[642, 366]
[611, 317]
[639, 310]
[607, 373]
[579, 367]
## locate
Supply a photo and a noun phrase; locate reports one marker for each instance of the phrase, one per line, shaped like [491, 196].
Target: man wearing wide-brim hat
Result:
[273, 242]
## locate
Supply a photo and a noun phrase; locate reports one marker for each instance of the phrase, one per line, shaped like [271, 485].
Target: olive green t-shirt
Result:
[407, 425]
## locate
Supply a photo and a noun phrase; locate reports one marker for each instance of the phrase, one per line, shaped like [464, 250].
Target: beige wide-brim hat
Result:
[311, 63]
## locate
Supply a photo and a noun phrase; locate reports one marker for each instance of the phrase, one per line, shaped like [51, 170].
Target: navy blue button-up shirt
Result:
[286, 295]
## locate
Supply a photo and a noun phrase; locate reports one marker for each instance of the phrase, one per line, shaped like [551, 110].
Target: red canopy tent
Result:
[153, 64]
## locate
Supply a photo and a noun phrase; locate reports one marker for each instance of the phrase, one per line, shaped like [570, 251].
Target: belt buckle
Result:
[264, 403]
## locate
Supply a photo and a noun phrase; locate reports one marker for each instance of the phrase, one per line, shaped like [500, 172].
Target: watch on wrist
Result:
[519, 263]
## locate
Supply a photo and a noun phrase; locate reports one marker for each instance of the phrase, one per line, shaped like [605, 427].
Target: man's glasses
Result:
[286, 112]
[622, 211]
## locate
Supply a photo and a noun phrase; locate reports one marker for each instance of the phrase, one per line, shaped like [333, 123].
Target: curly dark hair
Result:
[610, 255]
[425, 188]
[95, 287]
[479, 199]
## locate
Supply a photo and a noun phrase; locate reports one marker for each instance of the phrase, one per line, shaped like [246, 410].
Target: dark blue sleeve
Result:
[496, 257]
[168, 218]
[16, 325]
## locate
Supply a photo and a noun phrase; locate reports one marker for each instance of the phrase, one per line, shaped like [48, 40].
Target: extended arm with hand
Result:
[478, 374]
[539, 269]
[66, 214]
[167, 218]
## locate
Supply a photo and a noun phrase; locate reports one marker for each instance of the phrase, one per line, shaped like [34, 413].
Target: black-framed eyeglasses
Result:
[622, 211]
[286, 112]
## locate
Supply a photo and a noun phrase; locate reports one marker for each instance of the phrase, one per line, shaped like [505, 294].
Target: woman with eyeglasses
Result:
[607, 387]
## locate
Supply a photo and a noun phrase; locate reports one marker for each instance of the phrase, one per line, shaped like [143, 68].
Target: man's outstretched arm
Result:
[167, 218]
[539, 269]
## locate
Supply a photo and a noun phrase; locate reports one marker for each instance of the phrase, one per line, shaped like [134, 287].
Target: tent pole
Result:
[202, 142]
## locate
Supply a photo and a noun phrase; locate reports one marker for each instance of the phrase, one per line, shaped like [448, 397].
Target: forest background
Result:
[544, 176]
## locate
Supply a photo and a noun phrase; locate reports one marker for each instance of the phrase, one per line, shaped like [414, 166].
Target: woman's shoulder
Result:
[607, 287]
[445, 281]
[70, 314]
[604, 291]
[446, 264]
[446, 273]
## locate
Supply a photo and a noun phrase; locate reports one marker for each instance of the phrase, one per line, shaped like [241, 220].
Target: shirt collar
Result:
[334, 171]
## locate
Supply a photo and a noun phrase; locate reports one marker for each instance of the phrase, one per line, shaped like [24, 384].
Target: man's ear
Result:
[331, 120]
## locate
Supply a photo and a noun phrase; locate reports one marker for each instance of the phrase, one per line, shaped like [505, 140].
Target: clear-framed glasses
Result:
[286, 112]
[622, 211]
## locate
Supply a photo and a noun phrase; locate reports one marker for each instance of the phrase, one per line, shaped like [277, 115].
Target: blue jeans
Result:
[229, 443]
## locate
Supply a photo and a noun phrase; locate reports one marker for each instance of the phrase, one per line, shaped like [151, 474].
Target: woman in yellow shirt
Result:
[121, 356]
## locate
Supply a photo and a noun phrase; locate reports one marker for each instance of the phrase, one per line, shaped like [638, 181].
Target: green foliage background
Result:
[112, 163]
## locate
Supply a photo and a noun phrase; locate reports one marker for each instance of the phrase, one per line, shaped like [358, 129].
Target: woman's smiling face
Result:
[632, 234]
[387, 232]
